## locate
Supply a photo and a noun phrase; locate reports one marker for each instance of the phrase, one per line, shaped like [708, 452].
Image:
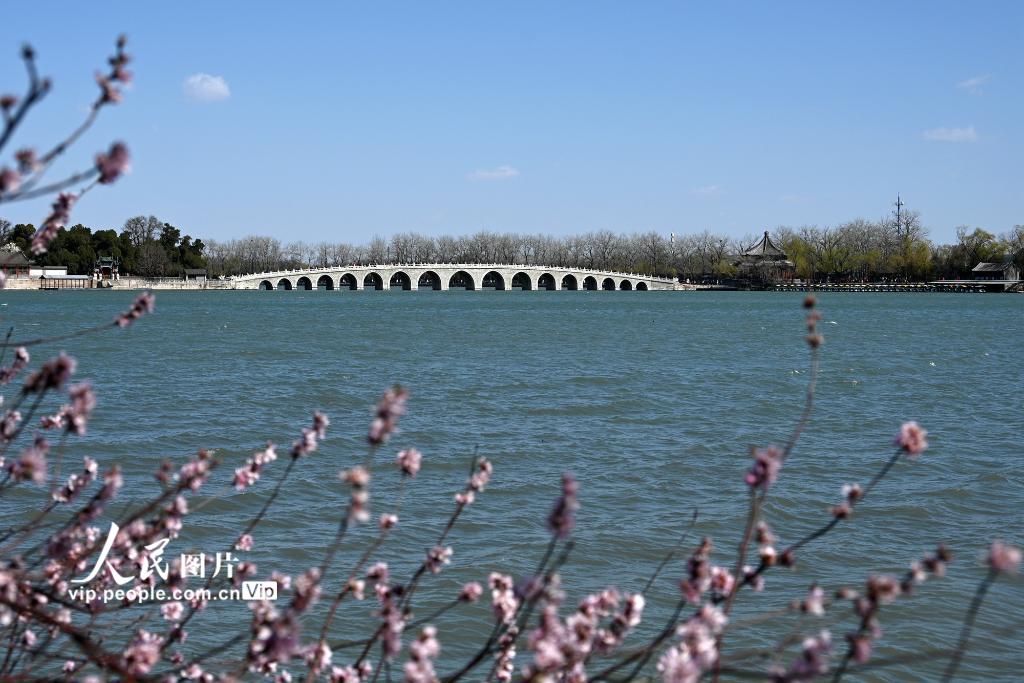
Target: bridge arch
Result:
[608, 285]
[493, 280]
[266, 285]
[522, 281]
[285, 284]
[325, 282]
[626, 285]
[348, 281]
[429, 280]
[590, 283]
[641, 286]
[546, 281]
[462, 280]
[570, 282]
[373, 281]
[304, 283]
[400, 280]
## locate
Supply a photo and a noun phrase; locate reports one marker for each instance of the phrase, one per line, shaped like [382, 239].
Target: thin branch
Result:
[965, 632]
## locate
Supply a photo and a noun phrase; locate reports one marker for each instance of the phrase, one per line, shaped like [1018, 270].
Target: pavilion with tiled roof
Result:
[766, 262]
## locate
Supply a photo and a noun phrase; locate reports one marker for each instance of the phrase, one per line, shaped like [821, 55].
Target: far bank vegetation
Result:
[859, 250]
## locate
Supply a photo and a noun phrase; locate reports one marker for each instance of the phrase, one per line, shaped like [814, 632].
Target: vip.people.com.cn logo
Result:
[152, 562]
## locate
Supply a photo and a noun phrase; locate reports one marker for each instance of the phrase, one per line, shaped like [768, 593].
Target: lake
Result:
[651, 399]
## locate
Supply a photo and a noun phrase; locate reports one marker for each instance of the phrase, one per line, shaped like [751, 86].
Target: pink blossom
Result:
[378, 573]
[28, 638]
[505, 666]
[31, 465]
[28, 162]
[51, 422]
[722, 580]
[114, 163]
[388, 521]
[359, 498]
[765, 471]
[357, 476]
[192, 672]
[244, 543]
[562, 520]
[860, 647]
[678, 666]
[912, 438]
[697, 650]
[852, 492]
[409, 461]
[320, 424]
[194, 473]
[482, 476]
[883, 589]
[172, 611]
[471, 592]
[422, 652]
[311, 436]
[1003, 558]
[306, 590]
[249, 473]
[813, 659]
[83, 402]
[319, 657]
[9, 424]
[753, 578]
[52, 375]
[77, 482]
[108, 93]
[143, 653]
[698, 577]
[10, 181]
[814, 603]
[144, 303]
[245, 476]
[503, 599]
[345, 675]
[437, 557]
[385, 420]
[59, 216]
[21, 359]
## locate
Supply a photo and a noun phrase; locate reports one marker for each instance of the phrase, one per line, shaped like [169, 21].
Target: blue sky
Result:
[338, 121]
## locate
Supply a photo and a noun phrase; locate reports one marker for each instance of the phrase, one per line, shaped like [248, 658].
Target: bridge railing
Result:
[460, 266]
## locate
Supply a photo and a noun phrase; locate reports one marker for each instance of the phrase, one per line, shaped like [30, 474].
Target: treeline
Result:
[858, 250]
[145, 246]
[855, 251]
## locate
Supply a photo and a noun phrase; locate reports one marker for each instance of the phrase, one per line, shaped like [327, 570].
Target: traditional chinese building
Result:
[13, 262]
[996, 271]
[765, 262]
[106, 268]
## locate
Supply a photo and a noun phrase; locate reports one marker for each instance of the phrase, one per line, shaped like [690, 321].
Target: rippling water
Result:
[651, 399]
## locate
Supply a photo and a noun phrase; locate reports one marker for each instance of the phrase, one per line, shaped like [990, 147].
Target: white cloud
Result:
[206, 88]
[500, 173]
[973, 84]
[708, 190]
[967, 134]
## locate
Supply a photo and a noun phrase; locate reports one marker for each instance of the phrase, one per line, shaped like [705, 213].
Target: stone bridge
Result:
[445, 276]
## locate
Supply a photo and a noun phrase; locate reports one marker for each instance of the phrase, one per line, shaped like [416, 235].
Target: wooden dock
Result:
[953, 286]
